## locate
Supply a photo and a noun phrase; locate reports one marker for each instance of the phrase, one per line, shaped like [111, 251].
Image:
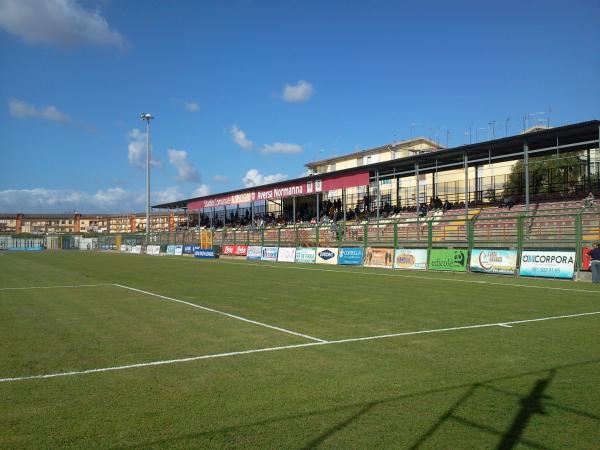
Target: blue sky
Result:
[246, 92]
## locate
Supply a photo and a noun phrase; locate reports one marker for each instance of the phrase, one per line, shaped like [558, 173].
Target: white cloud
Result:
[299, 92]
[192, 106]
[221, 178]
[281, 147]
[239, 137]
[201, 191]
[255, 178]
[40, 200]
[22, 110]
[64, 23]
[136, 149]
[111, 200]
[185, 170]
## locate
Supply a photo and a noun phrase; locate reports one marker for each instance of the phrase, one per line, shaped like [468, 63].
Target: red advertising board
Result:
[293, 189]
[235, 250]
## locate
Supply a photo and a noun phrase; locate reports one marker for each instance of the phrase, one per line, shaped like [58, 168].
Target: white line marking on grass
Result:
[55, 287]
[397, 273]
[287, 347]
[233, 316]
[504, 325]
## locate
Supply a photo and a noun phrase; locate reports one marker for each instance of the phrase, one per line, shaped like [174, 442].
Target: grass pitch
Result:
[290, 356]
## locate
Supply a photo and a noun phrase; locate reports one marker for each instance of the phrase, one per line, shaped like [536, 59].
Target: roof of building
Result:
[371, 151]
[573, 137]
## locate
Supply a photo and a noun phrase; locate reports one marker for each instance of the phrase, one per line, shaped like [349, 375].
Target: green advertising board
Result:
[454, 259]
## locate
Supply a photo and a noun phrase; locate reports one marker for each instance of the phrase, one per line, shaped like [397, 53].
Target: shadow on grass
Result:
[530, 404]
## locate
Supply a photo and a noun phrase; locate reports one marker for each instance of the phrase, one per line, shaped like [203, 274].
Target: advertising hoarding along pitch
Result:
[254, 252]
[286, 254]
[178, 250]
[153, 250]
[352, 256]
[204, 253]
[235, 250]
[548, 264]
[448, 259]
[188, 249]
[410, 258]
[170, 250]
[379, 257]
[494, 261]
[306, 255]
[269, 253]
[327, 255]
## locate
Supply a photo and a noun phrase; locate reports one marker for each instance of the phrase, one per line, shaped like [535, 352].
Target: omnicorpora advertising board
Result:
[327, 255]
[494, 261]
[352, 256]
[306, 255]
[410, 258]
[549, 264]
[254, 252]
[448, 259]
[269, 253]
[286, 254]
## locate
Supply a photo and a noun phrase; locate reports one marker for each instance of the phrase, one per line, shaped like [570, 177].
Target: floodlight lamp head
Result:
[146, 116]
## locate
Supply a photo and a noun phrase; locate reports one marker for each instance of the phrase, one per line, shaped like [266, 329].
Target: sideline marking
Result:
[287, 347]
[55, 287]
[504, 325]
[403, 275]
[395, 273]
[233, 316]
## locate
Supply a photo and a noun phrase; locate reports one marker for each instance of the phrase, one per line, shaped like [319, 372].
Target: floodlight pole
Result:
[147, 118]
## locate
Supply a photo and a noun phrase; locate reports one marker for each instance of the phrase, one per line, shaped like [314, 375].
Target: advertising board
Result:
[188, 249]
[254, 252]
[493, 261]
[453, 259]
[379, 257]
[327, 255]
[547, 263]
[178, 250]
[88, 243]
[286, 254]
[352, 256]
[269, 253]
[170, 250]
[306, 255]
[410, 258]
[235, 250]
[124, 248]
[136, 249]
[153, 250]
[204, 253]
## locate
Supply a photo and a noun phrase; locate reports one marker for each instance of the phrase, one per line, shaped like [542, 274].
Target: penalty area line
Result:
[288, 347]
[233, 316]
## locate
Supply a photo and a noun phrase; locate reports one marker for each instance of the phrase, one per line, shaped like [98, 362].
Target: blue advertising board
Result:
[205, 253]
[351, 256]
[33, 248]
[188, 249]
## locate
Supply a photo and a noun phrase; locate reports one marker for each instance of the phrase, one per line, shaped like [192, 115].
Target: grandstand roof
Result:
[566, 138]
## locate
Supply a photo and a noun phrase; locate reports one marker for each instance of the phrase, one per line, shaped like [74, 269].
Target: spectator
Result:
[594, 254]
[589, 201]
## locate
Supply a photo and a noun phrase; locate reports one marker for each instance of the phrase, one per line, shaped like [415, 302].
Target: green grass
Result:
[534, 385]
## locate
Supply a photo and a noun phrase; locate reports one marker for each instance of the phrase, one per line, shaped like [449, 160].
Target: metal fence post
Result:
[395, 235]
[365, 235]
[279, 237]
[317, 235]
[578, 241]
